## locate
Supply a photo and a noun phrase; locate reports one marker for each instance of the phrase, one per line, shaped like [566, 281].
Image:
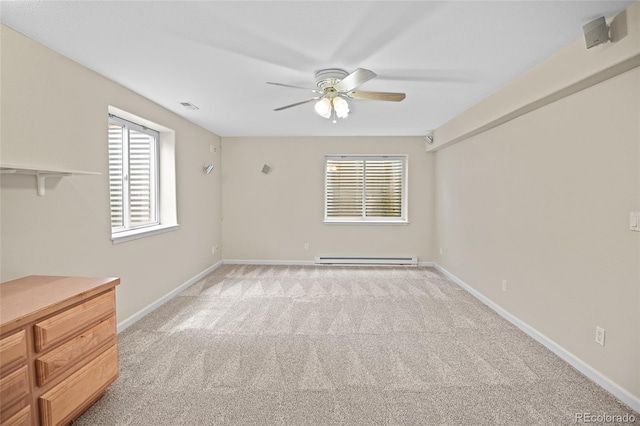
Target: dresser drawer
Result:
[75, 350]
[13, 351]
[72, 321]
[14, 387]
[14, 393]
[70, 397]
[21, 418]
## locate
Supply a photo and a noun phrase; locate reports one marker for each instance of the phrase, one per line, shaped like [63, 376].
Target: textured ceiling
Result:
[446, 56]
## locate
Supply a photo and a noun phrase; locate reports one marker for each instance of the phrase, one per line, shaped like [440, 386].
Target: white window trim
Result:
[167, 203]
[134, 234]
[404, 220]
[365, 221]
[128, 126]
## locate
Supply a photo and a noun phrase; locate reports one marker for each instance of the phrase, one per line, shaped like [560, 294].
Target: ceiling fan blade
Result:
[377, 96]
[354, 80]
[298, 103]
[295, 87]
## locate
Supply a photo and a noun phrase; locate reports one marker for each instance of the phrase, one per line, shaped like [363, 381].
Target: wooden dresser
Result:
[58, 350]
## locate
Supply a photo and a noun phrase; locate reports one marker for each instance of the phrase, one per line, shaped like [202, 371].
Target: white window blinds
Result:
[365, 188]
[116, 175]
[133, 175]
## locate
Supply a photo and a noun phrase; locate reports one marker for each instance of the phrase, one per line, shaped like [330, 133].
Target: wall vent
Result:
[189, 105]
[360, 260]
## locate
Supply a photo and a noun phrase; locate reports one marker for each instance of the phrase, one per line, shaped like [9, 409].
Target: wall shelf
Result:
[41, 173]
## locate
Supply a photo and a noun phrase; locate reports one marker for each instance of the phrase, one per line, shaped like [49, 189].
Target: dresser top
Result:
[34, 296]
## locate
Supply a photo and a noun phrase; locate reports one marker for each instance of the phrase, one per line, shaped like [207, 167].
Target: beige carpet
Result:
[304, 345]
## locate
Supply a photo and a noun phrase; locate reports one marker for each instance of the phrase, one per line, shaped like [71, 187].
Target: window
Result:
[138, 162]
[365, 189]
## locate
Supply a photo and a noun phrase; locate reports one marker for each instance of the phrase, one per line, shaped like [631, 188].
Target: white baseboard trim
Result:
[603, 381]
[291, 262]
[268, 262]
[425, 264]
[164, 299]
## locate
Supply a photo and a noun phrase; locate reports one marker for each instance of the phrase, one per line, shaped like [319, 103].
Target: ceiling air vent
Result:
[189, 105]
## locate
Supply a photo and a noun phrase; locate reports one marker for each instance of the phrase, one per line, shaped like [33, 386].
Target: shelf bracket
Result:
[42, 176]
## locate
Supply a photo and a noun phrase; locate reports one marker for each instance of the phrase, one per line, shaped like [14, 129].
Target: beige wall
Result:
[569, 70]
[54, 114]
[543, 201]
[270, 217]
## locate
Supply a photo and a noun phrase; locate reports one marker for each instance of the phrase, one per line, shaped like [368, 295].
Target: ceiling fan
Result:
[335, 86]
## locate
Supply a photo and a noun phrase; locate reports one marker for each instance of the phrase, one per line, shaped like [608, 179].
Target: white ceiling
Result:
[218, 55]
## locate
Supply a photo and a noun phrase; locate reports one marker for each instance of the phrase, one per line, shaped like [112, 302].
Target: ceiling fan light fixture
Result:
[334, 86]
[323, 107]
[341, 107]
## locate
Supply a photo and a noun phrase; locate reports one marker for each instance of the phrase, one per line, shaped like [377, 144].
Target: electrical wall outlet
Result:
[440, 250]
[504, 285]
[306, 246]
[600, 336]
[634, 221]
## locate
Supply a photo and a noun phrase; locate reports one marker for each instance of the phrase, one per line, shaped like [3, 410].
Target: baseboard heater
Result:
[355, 260]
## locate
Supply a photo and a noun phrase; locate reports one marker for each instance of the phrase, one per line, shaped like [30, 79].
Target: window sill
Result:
[135, 234]
[364, 222]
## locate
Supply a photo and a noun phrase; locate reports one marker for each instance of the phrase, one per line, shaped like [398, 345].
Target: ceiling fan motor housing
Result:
[329, 77]
[336, 86]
